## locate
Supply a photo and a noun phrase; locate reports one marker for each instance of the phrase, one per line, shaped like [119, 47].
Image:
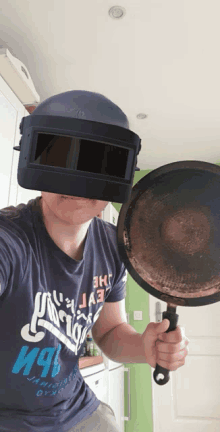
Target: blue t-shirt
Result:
[48, 303]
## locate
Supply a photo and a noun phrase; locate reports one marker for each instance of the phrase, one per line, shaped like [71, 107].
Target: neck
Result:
[68, 237]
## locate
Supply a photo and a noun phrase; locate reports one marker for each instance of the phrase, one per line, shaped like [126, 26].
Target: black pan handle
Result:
[171, 315]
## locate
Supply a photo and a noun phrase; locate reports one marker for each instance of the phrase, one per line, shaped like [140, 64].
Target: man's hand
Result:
[169, 350]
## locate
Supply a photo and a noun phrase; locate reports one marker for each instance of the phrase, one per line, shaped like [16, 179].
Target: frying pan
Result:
[168, 236]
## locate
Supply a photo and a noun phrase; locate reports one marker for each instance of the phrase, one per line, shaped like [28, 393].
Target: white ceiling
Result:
[162, 59]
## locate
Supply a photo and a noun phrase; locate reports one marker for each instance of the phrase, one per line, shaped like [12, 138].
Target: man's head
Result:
[94, 107]
[78, 143]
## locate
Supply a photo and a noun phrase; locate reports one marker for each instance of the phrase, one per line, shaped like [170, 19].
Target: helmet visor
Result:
[81, 154]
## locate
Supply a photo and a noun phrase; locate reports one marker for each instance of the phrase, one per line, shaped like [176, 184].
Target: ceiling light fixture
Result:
[141, 116]
[117, 12]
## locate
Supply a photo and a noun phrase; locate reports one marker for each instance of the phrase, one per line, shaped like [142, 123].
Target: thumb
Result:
[163, 326]
[160, 327]
[154, 329]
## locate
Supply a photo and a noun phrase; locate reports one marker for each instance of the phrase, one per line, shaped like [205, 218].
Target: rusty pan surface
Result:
[169, 233]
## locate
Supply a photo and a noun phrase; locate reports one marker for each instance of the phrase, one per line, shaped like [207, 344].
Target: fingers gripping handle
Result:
[159, 370]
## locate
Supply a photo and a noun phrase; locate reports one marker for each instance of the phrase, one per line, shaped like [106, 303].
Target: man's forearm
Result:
[123, 344]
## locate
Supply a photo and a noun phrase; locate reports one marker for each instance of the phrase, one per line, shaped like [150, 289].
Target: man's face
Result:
[72, 210]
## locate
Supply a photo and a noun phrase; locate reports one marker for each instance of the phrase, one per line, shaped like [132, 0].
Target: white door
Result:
[190, 401]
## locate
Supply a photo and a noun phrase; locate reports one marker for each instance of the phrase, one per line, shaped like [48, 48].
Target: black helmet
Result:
[78, 143]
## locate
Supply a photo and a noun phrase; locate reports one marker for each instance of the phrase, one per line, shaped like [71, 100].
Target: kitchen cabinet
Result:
[11, 113]
[95, 375]
[116, 394]
[7, 121]
[106, 380]
[98, 382]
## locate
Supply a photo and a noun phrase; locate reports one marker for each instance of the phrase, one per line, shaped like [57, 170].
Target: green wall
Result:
[140, 374]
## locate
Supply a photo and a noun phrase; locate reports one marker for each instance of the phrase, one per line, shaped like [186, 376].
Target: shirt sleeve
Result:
[118, 291]
[12, 256]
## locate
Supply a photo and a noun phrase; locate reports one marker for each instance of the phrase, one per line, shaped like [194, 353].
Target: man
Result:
[61, 274]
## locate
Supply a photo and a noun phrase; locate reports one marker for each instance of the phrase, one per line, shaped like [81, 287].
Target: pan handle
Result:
[171, 315]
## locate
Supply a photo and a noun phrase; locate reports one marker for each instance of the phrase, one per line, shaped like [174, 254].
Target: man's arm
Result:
[118, 340]
[121, 343]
